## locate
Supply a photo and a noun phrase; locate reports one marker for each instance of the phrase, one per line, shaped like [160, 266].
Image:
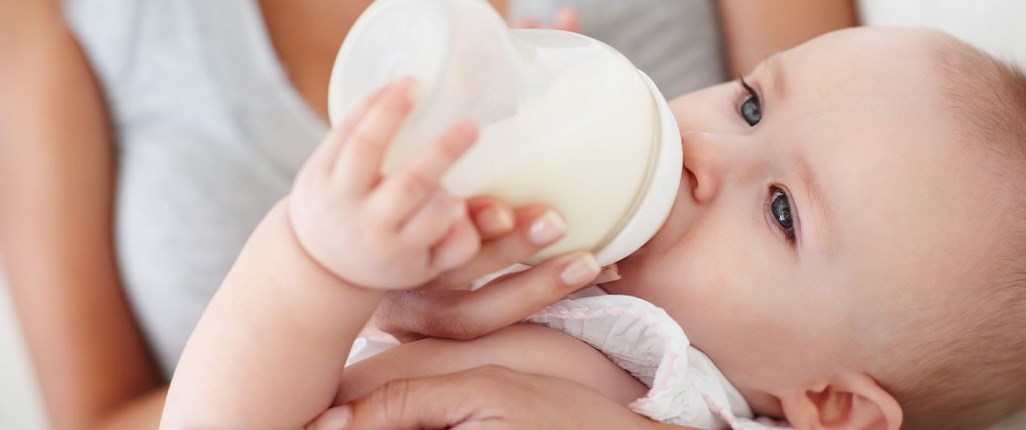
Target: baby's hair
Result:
[974, 373]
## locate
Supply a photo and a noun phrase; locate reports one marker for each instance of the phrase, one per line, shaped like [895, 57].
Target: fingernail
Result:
[494, 221]
[581, 270]
[609, 274]
[339, 418]
[547, 229]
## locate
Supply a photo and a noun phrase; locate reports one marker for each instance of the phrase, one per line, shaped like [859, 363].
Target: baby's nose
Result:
[711, 157]
[698, 165]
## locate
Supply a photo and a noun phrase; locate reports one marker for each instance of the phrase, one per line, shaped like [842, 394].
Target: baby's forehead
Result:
[877, 43]
[876, 124]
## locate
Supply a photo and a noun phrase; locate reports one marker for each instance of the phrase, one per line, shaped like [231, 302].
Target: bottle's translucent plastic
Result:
[565, 120]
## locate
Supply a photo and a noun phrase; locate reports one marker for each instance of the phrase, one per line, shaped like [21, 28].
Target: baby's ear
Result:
[853, 401]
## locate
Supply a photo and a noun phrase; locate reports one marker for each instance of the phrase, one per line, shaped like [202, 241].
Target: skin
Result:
[754, 30]
[285, 317]
[747, 296]
[857, 280]
[800, 329]
[789, 323]
[91, 360]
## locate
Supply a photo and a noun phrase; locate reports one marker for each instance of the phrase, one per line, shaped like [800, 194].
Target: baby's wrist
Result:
[305, 253]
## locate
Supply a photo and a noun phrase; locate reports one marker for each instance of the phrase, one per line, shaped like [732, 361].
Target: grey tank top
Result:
[209, 131]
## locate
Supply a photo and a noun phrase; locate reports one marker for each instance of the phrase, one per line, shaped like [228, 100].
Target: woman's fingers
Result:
[492, 217]
[490, 397]
[401, 194]
[336, 418]
[434, 402]
[467, 315]
[359, 163]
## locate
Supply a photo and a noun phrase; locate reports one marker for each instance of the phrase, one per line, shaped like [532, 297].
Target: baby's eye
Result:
[751, 108]
[751, 111]
[780, 207]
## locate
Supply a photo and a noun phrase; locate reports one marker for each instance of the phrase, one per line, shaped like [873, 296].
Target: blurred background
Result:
[20, 406]
[994, 25]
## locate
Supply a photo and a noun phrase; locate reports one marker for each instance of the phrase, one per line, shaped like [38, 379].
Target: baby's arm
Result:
[527, 348]
[278, 325]
[270, 348]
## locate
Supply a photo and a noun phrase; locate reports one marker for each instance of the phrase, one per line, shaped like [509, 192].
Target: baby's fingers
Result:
[434, 220]
[567, 19]
[325, 155]
[405, 191]
[359, 162]
[457, 248]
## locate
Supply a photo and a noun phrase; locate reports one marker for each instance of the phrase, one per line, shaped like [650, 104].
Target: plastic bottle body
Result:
[565, 120]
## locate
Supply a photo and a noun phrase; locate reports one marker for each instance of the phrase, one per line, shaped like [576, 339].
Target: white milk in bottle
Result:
[565, 120]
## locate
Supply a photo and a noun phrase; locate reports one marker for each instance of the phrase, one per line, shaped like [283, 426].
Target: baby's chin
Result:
[683, 214]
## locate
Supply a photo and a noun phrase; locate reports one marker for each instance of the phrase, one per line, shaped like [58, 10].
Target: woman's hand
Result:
[489, 397]
[447, 308]
[393, 232]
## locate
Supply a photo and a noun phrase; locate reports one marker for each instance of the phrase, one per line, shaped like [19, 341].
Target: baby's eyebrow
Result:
[827, 235]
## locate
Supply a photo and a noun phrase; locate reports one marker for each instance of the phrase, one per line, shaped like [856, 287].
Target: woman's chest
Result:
[307, 35]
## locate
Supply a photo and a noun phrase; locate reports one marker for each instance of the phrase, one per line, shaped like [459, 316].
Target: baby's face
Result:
[797, 244]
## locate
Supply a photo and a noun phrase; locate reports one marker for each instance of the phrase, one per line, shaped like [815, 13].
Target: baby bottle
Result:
[564, 119]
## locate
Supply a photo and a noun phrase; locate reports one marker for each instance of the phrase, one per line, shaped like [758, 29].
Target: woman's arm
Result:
[522, 376]
[56, 185]
[525, 348]
[754, 30]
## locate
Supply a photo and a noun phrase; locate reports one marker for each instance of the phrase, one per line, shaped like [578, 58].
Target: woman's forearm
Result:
[754, 30]
[270, 348]
[142, 412]
[57, 191]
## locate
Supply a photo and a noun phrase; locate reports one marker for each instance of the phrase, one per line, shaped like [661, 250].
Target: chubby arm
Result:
[271, 346]
[754, 30]
[525, 348]
[56, 185]
[271, 340]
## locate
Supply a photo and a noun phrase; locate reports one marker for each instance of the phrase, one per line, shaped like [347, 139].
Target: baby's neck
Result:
[763, 404]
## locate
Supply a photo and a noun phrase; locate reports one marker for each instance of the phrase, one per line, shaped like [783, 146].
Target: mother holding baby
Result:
[142, 141]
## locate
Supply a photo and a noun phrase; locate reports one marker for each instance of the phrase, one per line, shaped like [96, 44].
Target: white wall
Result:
[992, 25]
[20, 407]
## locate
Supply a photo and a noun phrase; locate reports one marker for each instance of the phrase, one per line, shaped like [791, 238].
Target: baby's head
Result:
[849, 244]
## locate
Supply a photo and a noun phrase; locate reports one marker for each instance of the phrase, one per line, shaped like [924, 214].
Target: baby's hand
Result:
[566, 19]
[393, 232]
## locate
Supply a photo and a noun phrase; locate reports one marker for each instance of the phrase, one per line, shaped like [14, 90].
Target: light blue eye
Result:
[751, 110]
[780, 206]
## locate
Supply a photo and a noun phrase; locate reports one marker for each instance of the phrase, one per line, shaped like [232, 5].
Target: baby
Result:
[815, 252]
